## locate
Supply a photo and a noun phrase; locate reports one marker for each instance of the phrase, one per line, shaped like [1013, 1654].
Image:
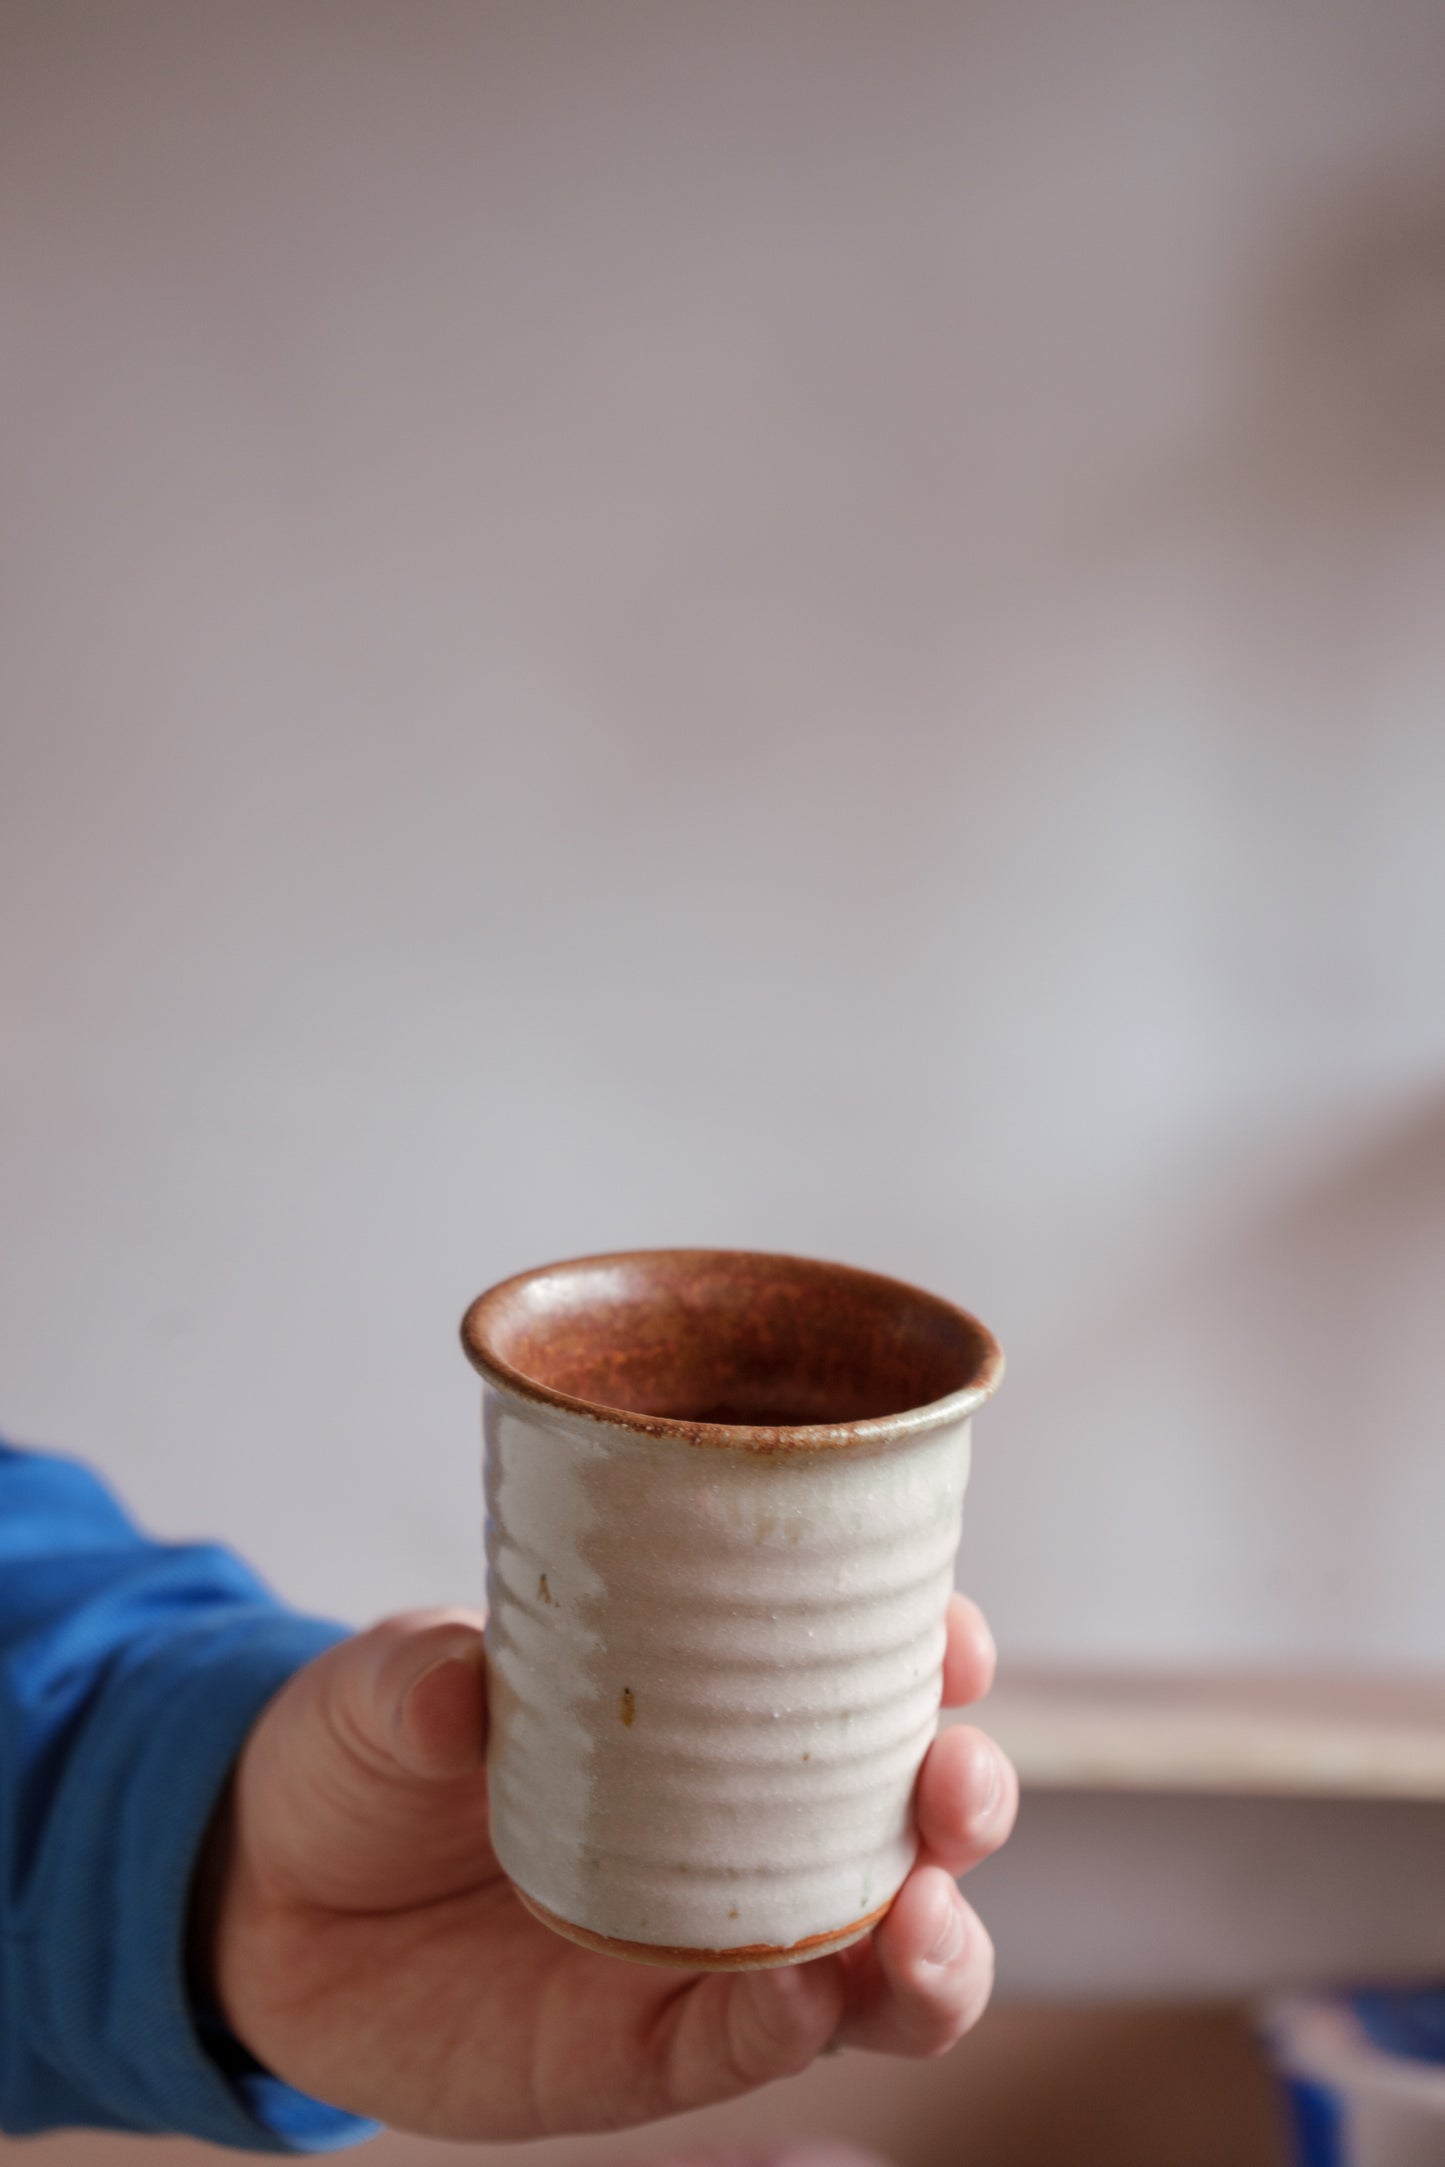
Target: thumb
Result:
[409, 1696]
[359, 1789]
[361, 1786]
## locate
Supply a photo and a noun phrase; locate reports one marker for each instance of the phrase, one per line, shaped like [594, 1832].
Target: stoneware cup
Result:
[724, 1493]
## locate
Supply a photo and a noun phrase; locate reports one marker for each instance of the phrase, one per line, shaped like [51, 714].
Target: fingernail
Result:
[992, 1784]
[949, 1938]
[466, 1657]
[469, 1652]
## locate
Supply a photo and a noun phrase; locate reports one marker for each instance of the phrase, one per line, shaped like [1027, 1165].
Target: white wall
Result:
[815, 626]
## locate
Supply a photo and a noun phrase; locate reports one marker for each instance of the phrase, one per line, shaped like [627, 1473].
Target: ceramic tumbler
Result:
[724, 1492]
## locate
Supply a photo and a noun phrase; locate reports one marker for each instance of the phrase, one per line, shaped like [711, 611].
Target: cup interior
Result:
[727, 1338]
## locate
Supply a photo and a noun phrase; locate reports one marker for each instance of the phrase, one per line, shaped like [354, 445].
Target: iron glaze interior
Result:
[725, 1337]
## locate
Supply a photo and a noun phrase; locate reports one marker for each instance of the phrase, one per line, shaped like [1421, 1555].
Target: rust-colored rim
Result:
[484, 1332]
[758, 1956]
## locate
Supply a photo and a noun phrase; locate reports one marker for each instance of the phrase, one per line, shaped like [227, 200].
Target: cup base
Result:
[757, 1956]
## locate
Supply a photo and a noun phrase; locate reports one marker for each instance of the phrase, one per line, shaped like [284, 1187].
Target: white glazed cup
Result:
[724, 1495]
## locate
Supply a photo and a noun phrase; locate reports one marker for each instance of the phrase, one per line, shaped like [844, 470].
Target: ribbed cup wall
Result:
[714, 1673]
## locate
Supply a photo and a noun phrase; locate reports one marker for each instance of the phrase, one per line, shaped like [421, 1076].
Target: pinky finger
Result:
[928, 1975]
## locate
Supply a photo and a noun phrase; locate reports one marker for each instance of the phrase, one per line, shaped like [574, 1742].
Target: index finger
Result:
[970, 1657]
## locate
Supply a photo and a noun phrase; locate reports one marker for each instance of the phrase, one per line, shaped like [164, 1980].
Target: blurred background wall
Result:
[811, 625]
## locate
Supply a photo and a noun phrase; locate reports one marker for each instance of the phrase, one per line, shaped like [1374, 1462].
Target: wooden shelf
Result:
[1247, 1734]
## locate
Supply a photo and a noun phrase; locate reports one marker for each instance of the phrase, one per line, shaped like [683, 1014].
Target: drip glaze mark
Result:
[544, 1593]
[629, 1707]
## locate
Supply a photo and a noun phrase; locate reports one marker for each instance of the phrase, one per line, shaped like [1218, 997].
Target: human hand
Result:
[365, 1945]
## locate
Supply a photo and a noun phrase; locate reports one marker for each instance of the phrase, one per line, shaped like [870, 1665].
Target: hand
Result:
[365, 1945]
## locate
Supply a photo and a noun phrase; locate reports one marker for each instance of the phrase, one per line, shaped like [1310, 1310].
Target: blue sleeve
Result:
[130, 1672]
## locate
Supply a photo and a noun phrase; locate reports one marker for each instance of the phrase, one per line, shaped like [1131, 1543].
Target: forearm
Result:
[130, 1674]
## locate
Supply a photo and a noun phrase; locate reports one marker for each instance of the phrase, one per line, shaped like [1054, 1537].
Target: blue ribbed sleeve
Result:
[130, 1672]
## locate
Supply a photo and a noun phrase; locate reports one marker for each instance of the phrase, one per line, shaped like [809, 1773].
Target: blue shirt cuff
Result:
[114, 1886]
